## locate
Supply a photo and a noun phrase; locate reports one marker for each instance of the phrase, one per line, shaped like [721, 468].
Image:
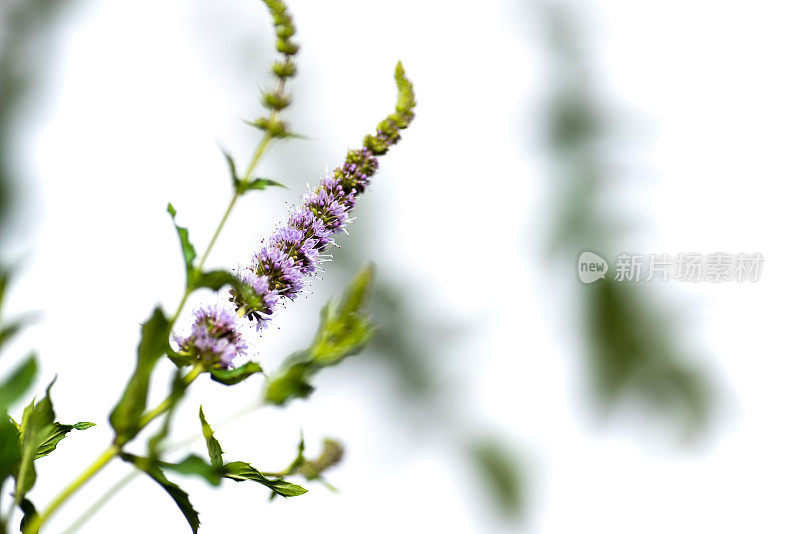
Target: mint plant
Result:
[214, 345]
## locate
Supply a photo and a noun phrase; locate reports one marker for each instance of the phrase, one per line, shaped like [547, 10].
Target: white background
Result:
[143, 92]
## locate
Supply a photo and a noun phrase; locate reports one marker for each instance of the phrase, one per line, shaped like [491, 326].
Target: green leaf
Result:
[187, 248]
[231, 168]
[10, 447]
[502, 477]
[29, 514]
[18, 382]
[193, 465]
[291, 381]
[241, 471]
[37, 423]
[236, 375]
[285, 488]
[5, 276]
[344, 330]
[300, 458]
[258, 184]
[180, 497]
[154, 342]
[10, 330]
[331, 455]
[181, 360]
[214, 448]
[56, 432]
[215, 280]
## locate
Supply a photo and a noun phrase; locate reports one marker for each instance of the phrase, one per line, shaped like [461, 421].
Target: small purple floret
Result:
[214, 339]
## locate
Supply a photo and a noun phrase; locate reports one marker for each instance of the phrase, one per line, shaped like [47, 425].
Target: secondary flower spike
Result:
[214, 340]
[293, 252]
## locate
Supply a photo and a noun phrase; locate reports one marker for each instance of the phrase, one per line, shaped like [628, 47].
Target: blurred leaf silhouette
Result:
[502, 476]
[633, 351]
[24, 37]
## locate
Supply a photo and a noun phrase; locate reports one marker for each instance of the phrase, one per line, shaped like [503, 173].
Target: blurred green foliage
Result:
[633, 349]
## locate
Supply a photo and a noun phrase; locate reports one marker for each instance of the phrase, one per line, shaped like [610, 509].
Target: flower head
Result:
[299, 247]
[282, 273]
[214, 339]
[294, 250]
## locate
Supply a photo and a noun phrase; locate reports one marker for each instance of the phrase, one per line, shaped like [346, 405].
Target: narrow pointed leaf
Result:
[259, 184]
[9, 330]
[231, 168]
[187, 248]
[17, 383]
[241, 471]
[180, 497]
[230, 377]
[154, 342]
[215, 280]
[193, 465]
[214, 448]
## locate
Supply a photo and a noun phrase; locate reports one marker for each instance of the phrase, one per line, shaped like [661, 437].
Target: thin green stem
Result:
[165, 405]
[102, 501]
[259, 153]
[101, 461]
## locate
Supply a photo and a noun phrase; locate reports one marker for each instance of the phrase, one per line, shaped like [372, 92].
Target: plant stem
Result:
[102, 501]
[248, 174]
[101, 461]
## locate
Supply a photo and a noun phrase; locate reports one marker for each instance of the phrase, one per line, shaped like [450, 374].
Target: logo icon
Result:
[591, 267]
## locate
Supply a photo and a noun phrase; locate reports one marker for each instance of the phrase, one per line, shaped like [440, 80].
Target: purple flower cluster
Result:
[279, 269]
[214, 339]
[294, 251]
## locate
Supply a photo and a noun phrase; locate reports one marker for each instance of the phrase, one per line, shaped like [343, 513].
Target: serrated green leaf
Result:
[55, 433]
[180, 497]
[259, 184]
[230, 377]
[37, 422]
[154, 342]
[214, 448]
[193, 465]
[187, 248]
[18, 382]
[241, 471]
[344, 330]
